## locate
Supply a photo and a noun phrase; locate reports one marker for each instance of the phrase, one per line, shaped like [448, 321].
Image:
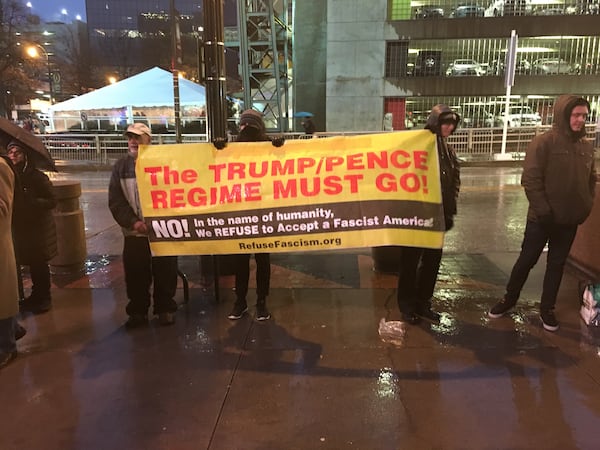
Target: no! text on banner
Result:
[314, 194]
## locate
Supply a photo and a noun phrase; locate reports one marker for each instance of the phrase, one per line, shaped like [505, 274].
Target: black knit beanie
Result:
[252, 118]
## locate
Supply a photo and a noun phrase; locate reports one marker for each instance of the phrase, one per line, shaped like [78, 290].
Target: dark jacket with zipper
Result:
[35, 229]
[559, 175]
[449, 166]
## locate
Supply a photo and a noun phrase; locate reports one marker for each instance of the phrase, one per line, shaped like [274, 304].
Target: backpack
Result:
[590, 307]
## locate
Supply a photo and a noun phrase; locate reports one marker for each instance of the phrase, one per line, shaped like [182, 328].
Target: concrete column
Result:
[70, 229]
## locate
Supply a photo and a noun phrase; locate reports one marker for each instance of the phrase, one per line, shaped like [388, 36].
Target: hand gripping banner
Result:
[310, 194]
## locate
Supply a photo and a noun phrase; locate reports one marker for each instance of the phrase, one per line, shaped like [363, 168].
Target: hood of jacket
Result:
[561, 121]
[441, 113]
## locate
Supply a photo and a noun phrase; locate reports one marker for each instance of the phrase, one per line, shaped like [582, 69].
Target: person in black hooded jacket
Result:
[35, 230]
[419, 267]
[252, 129]
[559, 179]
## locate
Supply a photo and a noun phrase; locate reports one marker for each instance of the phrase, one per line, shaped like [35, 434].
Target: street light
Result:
[32, 51]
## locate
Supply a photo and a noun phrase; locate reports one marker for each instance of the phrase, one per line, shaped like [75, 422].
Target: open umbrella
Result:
[303, 114]
[31, 144]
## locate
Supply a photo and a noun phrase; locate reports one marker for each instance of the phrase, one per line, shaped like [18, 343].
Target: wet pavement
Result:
[317, 375]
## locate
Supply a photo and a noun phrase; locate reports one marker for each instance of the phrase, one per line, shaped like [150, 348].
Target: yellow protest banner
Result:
[314, 194]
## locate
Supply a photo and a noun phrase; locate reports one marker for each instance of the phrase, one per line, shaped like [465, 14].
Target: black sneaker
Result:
[501, 308]
[239, 309]
[549, 321]
[136, 321]
[262, 313]
[410, 317]
[20, 331]
[430, 315]
[35, 306]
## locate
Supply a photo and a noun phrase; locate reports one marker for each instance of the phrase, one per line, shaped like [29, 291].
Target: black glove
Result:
[278, 141]
[449, 222]
[545, 220]
[219, 143]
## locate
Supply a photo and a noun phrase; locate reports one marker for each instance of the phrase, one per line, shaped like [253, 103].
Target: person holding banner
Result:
[559, 179]
[141, 268]
[419, 266]
[253, 129]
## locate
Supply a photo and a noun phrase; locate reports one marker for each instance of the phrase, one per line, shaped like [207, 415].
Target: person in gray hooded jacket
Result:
[419, 267]
[141, 268]
[559, 179]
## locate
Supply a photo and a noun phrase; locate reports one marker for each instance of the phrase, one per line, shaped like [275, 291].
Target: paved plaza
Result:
[316, 376]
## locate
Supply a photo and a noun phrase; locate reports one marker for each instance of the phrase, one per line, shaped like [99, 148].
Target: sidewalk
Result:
[316, 375]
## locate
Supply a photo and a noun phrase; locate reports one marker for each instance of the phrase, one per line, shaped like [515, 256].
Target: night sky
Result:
[50, 10]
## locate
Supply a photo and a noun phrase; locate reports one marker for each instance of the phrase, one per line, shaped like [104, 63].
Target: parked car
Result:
[461, 67]
[508, 8]
[551, 66]
[476, 116]
[429, 12]
[520, 116]
[429, 63]
[469, 10]
[496, 67]
[549, 10]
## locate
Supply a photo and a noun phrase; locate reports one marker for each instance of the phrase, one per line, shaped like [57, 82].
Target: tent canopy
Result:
[151, 88]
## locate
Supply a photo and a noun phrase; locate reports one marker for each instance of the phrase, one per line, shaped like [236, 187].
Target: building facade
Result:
[129, 36]
[390, 61]
[62, 68]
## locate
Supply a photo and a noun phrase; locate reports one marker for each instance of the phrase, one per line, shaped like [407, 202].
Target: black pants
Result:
[417, 277]
[141, 269]
[559, 239]
[242, 275]
[40, 280]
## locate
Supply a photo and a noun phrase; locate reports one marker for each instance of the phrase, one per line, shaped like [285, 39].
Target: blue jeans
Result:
[559, 239]
[7, 335]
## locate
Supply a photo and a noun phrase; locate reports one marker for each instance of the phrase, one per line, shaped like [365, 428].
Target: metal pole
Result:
[49, 71]
[175, 56]
[51, 91]
[214, 76]
[214, 53]
[509, 80]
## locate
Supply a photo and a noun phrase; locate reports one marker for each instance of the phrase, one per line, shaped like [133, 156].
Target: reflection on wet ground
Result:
[317, 375]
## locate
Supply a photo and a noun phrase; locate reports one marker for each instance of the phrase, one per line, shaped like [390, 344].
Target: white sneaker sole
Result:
[548, 327]
[234, 317]
[497, 316]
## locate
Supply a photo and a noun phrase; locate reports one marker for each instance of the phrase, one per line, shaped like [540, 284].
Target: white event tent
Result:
[148, 94]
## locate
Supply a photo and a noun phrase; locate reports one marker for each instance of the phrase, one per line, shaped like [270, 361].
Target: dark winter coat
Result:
[35, 229]
[559, 175]
[123, 195]
[449, 166]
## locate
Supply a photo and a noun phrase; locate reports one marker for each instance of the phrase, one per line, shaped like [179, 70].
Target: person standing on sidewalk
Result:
[559, 179]
[253, 129]
[309, 126]
[35, 230]
[419, 267]
[141, 268]
[9, 299]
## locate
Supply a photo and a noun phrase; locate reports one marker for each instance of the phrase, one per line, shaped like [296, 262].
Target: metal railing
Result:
[101, 149]
[471, 144]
